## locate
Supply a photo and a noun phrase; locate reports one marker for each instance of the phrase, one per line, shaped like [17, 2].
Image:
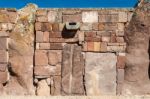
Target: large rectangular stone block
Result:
[100, 73]
[90, 16]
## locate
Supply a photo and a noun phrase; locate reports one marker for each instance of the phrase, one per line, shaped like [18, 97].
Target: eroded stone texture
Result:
[43, 88]
[21, 52]
[100, 73]
[137, 60]
[72, 70]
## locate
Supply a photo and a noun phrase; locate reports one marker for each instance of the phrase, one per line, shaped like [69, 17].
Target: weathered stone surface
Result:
[21, 51]
[77, 86]
[100, 73]
[54, 57]
[4, 77]
[90, 17]
[47, 71]
[43, 89]
[137, 57]
[4, 56]
[72, 83]
[86, 27]
[52, 15]
[123, 17]
[3, 67]
[72, 18]
[41, 58]
[108, 18]
[3, 43]
[56, 86]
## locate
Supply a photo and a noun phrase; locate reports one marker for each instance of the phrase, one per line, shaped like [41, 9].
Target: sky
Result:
[70, 3]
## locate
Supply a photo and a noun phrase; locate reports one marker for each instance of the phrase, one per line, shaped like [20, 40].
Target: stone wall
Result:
[86, 61]
[46, 58]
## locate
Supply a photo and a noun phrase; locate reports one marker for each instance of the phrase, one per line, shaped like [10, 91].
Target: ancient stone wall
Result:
[49, 56]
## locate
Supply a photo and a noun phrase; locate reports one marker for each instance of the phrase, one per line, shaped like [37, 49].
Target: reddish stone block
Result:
[55, 27]
[120, 39]
[103, 47]
[46, 27]
[121, 62]
[72, 18]
[44, 46]
[38, 26]
[55, 34]
[3, 43]
[41, 58]
[90, 46]
[4, 77]
[92, 39]
[113, 38]
[90, 34]
[3, 67]
[45, 36]
[56, 46]
[57, 40]
[3, 56]
[39, 36]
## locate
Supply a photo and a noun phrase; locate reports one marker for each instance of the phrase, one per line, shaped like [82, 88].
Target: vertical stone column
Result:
[21, 53]
[72, 70]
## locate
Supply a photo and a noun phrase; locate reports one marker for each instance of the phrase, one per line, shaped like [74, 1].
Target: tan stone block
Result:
[86, 27]
[103, 47]
[95, 26]
[72, 18]
[41, 58]
[46, 27]
[52, 16]
[105, 39]
[4, 77]
[121, 26]
[96, 46]
[61, 26]
[90, 17]
[116, 48]
[53, 58]
[41, 12]
[45, 36]
[123, 17]
[3, 43]
[38, 26]
[39, 36]
[108, 18]
[3, 67]
[101, 26]
[44, 46]
[42, 88]
[3, 56]
[42, 19]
